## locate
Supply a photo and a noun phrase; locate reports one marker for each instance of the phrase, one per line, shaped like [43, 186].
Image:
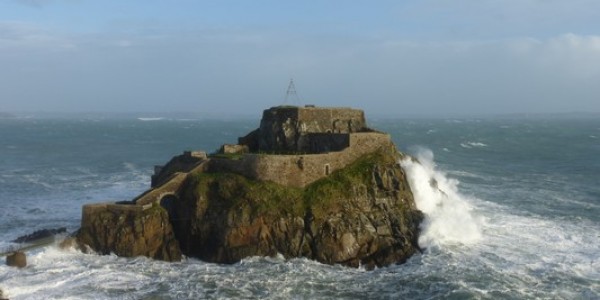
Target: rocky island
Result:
[310, 182]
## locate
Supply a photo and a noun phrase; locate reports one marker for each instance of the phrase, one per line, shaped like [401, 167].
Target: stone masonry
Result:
[293, 146]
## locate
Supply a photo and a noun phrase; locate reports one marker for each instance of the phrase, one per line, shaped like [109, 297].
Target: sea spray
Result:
[540, 238]
[448, 215]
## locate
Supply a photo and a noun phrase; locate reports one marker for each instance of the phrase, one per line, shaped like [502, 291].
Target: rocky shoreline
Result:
[310, 182]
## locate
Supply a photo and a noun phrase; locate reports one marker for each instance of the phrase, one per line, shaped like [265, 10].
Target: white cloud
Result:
[577, 55]
[205, 68]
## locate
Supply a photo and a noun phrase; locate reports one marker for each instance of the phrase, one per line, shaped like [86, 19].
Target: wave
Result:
[469, 145]
[461, 173]
[448, 214]
[151, 119]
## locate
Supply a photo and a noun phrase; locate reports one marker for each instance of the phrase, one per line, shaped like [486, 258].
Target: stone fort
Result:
[219, 218]
[293, 146]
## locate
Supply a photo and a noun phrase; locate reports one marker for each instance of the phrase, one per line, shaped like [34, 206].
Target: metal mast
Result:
[291, 94]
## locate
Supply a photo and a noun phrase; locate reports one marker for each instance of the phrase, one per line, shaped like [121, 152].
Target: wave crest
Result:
[448, 214]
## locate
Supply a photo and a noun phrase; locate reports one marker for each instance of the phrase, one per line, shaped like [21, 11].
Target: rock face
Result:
[309, 182]
[17, 259]
[362, 215]
[129, 231]
[39, 234]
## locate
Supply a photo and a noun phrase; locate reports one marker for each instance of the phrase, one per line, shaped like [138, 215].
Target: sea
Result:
[515, 213]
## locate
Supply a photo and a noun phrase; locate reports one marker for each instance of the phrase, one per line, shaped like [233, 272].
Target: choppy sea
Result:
[518, 218]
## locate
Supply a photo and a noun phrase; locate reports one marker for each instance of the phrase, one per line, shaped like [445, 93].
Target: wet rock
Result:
[128, 232]
[362, 215]
[16, 259]
[317, 183]
[40, 234]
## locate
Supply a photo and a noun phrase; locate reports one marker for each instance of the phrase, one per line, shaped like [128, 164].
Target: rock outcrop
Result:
[336, 195]
[16, 259]
[362, 215]
[40, 234]
[128, 230]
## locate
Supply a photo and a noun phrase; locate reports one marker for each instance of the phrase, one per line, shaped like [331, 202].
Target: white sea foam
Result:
[448, 214]
[38, 180]
[461, 173]
[541, 252]
[524, 252]
[469, 145]
[151, 119]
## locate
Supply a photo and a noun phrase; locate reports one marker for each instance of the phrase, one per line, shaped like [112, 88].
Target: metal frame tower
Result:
[292, 94]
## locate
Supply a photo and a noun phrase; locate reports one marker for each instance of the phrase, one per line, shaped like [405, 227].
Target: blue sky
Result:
[387, 57]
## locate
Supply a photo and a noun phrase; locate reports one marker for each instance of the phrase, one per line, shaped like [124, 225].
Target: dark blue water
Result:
[521, 218]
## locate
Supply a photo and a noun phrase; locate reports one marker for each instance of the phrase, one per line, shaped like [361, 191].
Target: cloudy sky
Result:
[415, 57]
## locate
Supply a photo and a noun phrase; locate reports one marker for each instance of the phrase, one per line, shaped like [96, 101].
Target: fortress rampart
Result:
[289, 129]
[294, 146]
[301, 169]
[317, 173]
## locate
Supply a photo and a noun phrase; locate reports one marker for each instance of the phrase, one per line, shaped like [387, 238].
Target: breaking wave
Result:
[449, 217]
[473, 145]
[151, 119]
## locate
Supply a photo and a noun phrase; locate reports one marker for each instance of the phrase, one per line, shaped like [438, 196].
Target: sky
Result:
[413, 57]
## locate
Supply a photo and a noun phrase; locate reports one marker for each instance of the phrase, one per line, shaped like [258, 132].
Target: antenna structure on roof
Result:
[291, 94]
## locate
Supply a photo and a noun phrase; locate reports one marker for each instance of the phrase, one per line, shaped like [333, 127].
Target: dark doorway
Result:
[169, 203]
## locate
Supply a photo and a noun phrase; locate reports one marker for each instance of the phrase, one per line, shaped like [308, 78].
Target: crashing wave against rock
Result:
[309, 182]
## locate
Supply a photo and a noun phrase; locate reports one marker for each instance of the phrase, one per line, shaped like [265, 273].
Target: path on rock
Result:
[170, 187]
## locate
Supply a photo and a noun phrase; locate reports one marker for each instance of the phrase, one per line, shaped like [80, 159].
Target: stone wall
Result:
[301, 170]
[367, 142]
[233, 149]
[324, 142]
[335, 120]
[284, 129]
[181, 163]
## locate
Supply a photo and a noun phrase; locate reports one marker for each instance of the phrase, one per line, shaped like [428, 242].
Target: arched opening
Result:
[168, 202]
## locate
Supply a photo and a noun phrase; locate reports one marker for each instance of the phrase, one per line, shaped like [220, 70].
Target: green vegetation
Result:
[323, 195]
[227, 190]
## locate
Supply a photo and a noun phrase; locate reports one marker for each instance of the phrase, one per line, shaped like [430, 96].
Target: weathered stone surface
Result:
[362, 215]
[289, 128]
[317, 183]
[129, 232]
[16, 259]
